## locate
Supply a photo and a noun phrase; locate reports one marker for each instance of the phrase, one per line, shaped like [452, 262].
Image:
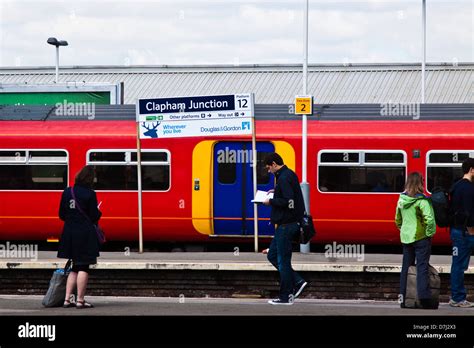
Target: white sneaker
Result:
[278, 302]
[461, 304]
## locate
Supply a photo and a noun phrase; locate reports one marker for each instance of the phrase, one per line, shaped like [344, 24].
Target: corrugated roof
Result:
[273, 84]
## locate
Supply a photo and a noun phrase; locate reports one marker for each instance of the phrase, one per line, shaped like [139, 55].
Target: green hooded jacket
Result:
[414, 218]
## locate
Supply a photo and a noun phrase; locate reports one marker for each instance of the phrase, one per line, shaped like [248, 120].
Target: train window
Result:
[449, 157]
[339, 157]
[226, 172]
[383, 157]
[374, 172]
[151, 157]
[12, 156]
[444, 168]
[33, 170]
[107, 157]
[47, 157]
[156, 178]
[117, 170]
[33, 177]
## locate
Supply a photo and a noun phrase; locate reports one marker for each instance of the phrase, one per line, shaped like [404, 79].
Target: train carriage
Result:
[198, 189]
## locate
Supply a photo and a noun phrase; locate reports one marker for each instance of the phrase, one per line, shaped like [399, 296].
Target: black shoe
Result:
[428, 304]
[299, 288]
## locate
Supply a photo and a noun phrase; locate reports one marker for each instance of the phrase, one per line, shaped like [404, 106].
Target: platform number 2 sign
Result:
[304, 105]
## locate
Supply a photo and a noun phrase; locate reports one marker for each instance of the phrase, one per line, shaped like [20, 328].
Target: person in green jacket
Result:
[416, 222]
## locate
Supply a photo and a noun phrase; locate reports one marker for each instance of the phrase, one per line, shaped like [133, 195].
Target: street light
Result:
[423, 50]
[53, 41]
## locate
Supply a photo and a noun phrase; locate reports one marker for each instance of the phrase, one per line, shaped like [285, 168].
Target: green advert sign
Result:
[53, 98]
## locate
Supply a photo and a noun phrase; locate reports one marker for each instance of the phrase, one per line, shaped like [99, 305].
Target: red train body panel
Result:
[341, 217]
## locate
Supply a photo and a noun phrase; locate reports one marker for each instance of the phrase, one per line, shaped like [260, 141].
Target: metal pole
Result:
[423, 63]
[57, 64]
[304, 248]
[254, 174]
[139, 181]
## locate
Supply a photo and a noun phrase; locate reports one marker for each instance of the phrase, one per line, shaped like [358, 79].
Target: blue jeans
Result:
[463, 244]
[280, 256]
[421, 252]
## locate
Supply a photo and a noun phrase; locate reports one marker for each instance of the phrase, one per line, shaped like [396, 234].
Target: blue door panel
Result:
[233, 190]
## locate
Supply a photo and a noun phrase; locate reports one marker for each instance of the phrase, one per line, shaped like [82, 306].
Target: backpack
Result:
[440, 200]
[411, 298]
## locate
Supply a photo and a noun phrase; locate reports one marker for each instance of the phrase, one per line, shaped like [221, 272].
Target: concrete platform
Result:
[118, 306]
[224, 261]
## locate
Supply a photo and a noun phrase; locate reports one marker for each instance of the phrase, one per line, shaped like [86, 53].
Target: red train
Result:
[198, 188]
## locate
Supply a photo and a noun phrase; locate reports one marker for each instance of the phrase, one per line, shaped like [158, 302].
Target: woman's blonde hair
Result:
[414, 184]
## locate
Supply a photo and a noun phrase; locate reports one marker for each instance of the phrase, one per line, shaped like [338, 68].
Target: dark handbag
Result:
[100, 234]
[56, 293]
[98, 230]
[307, 230]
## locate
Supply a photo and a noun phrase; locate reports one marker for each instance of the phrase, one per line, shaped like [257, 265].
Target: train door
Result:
[233, 188]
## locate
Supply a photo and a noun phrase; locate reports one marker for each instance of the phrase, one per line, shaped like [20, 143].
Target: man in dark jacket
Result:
[462, 233]
[287, 211]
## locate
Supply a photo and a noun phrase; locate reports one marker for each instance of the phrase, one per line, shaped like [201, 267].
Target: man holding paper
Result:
[287, 211]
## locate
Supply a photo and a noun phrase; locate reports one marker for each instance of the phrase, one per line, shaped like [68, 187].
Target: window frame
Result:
[442, 165]
[361, 164]
[37, 163]
[129, 162]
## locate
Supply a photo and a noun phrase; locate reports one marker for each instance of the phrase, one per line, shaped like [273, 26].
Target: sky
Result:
[233, 32]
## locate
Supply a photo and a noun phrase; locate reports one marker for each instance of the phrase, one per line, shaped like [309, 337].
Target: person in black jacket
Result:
[462, 233]
[287, 211]
[79, 241]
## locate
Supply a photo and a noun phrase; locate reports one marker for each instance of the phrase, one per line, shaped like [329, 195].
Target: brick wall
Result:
[322, 285]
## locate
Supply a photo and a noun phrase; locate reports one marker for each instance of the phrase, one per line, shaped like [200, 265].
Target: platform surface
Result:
[106, 305]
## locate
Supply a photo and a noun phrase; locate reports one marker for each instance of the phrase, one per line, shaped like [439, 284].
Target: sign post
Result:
[139, 183]
[305, 248]
[197, 116]
[304, 106]
[254, 174]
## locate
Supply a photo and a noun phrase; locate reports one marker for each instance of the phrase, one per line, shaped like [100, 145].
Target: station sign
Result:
[195, 116]
[199, 107]
[304, 105]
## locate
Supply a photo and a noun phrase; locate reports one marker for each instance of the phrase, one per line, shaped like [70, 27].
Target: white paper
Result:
[262, 196]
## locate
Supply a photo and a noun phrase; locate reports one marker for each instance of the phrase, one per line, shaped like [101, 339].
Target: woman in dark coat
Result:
[79, 240]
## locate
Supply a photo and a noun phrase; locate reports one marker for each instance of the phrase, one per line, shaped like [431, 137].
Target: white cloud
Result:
[231, 32]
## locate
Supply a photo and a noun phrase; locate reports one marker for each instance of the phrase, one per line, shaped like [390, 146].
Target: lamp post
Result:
[423, 49]
[53, 41]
